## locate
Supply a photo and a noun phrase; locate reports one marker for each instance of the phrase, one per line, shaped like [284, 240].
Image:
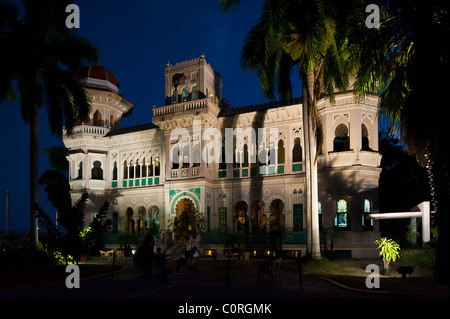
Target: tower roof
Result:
[99, 76]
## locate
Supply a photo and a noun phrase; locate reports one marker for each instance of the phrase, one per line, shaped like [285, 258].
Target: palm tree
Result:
[302, 34]
[406, 61]
[43, 59]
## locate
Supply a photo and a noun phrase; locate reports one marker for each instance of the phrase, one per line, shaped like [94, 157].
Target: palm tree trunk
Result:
[307, 162]
[313, 236]
[34, 175]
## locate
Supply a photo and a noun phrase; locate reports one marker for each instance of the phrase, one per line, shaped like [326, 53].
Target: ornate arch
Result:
[185, 194]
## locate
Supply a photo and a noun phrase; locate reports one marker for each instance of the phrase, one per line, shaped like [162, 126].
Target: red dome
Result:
[97, 72]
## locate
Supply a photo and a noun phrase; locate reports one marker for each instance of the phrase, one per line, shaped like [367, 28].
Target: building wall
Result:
[228, 194]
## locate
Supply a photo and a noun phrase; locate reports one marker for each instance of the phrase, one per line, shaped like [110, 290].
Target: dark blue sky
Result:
[136, 39]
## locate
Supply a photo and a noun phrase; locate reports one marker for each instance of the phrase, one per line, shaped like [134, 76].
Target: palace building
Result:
[147, 173]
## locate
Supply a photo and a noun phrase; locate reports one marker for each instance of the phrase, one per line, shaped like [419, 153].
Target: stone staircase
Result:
[176, 251]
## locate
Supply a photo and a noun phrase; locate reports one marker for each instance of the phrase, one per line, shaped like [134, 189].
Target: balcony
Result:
[185, 172]
[339, 159]
[87, 130]
[261, 170]
[368, 158]
[198, 105]
[137, 182]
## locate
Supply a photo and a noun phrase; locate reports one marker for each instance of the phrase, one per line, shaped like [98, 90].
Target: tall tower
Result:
[192, 80]
[87, 158]
[108, 105]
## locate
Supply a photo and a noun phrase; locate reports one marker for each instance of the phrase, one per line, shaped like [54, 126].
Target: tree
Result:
[308, 35]
[189, 224]
[43, 57]
[396, 61]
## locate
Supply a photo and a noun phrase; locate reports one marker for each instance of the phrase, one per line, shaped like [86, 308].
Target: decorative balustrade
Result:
[180, 107]
[88, 130]
[185, 172]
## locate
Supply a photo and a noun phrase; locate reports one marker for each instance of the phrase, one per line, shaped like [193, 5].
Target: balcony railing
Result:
[185, 172]
[136, 182]
[179, 107]
[89, 130]
[261, 170]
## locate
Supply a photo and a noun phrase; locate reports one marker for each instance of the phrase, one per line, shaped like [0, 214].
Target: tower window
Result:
[97, 171]
[341, 141]
[365, 138]
[297, 151]
[185, 94]
[366, 222]
[114, 172]
[341, 220]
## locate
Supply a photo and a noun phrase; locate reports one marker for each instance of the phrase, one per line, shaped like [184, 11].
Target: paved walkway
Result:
[206, 282]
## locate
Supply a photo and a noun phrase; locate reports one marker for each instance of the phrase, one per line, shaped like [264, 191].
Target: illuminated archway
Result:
[240, 216]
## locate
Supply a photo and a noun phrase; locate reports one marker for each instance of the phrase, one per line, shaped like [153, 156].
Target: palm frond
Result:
[227, 5]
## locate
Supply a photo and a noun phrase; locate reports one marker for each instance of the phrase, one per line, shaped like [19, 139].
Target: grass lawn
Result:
[352, 273]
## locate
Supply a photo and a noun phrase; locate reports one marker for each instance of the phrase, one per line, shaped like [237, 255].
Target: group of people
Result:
[190, 259]
[145, 259]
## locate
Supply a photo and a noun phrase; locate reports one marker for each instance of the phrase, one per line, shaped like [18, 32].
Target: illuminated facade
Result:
[259, 190]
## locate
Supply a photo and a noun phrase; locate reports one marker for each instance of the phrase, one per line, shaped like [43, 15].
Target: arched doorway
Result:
[240, 217]
[140, 221]
[184, 205]
[258, 217]
[276, 213]
[130, 220]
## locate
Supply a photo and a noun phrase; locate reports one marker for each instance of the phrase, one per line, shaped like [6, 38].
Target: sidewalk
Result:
[209, 281]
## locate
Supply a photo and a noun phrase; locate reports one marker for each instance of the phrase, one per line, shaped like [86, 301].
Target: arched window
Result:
[157, 166]
[367, 223]
[245, 154]
[223, 163]
[97, 171]
[185, 94]
[97, 118]
[138, 169]
[125, 170]
[236, 158]
[112, 121]
[319, 212]
[262, 155]
[196, 156]
[114, 172]
[80, 170]
[297, 151]
[341, 217]
[174, 97]
[186, 156]
[341, 140]
[195, 92]
[175, 158]
[130, 220]
[364, 138]
[144, 168]
[271, 156]
[132, 167]
[150, 167]
[280, 152]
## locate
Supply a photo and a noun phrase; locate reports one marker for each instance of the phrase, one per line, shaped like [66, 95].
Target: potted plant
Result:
[389, 249]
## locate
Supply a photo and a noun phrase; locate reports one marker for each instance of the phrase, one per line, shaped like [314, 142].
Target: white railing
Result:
[179, 107]
[89, 130]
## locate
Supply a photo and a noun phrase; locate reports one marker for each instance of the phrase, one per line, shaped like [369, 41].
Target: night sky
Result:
[136, 39]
